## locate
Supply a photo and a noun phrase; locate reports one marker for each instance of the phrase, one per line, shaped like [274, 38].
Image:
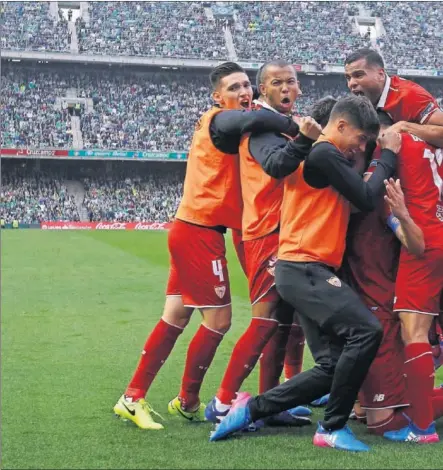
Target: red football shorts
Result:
[198, 267]
[261, 256]
[419, 282]
[239, 248]
[385, 384]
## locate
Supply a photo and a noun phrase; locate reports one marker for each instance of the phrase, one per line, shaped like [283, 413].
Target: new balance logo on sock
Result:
[378, 397]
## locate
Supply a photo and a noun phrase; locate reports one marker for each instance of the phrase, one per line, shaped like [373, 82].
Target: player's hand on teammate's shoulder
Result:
[396, 199]
[310, 127]
[391, 140]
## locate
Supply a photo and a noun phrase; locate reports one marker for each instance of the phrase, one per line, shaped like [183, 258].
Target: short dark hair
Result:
[384, 118]
[222, 71]
[321, 110]
[261, 74]
[372, 57]
[359, 111]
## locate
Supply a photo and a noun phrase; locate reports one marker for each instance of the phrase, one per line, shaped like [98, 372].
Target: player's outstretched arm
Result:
[431, 132]
[234, 123]
[400, 221]
[325, 165]
[277, 156]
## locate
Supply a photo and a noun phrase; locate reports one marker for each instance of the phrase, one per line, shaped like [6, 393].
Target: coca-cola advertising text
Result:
[105, 225]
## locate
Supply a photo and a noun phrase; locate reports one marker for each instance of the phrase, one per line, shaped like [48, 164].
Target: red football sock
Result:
[395, 422]
[294, 352]
[157, 348]
[201, 352]
[437, 392]
[244, 356]
[437, 405]
[272, 359]
[419, 369]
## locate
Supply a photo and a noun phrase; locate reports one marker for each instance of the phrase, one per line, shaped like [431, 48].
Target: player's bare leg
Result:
[132, 404]
[175, 313]
[201, 351]
[415, 327]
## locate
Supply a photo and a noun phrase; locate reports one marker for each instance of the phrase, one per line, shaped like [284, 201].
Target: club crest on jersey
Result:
[271, 266]
[440, 213]
[334, 281]
[220, 291]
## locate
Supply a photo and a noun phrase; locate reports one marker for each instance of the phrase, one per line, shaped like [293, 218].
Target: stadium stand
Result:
[29, 26]
[261, 30]
[130, 28]
[28, 114]
[33, 197]
[123, 192]
[151, 198]
[414, 33]
[298, 29]
[149, 111]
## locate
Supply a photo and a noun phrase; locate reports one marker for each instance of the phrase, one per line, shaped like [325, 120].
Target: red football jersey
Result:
[405, 100]
[371, 259]
[420, 169]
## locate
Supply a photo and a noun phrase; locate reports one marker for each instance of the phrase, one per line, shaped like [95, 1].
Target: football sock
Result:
[294, 352]
[437, 405]
[419, 369]
[272, 359]
[395, 422]
[156, 350]
[244, 356]
[201, 352]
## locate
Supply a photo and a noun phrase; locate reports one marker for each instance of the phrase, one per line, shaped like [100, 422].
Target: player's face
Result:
[352, 141]
[280, 88]
[365, 80]
[234, 92]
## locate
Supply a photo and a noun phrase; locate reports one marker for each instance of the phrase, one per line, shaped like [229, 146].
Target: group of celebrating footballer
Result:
[335, 249]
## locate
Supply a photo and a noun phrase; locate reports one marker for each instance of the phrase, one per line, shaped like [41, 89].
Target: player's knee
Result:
[410, 337]
[175, 313]
[264, 310]
[218, 319]
[327, 367]
[415, 328]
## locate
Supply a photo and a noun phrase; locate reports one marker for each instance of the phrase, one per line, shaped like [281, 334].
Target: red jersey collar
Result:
[384, 96]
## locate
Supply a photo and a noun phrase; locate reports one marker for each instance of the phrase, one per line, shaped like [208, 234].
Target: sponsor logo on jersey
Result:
[334, 281]
[220, 291]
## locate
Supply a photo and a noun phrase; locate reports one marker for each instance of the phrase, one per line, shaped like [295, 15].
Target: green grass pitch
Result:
[76, 310]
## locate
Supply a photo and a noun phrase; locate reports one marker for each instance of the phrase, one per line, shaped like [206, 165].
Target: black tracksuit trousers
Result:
[342, 334]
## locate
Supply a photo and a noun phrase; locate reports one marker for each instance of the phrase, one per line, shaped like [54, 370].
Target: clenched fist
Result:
[390, 140]
[310, 128]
